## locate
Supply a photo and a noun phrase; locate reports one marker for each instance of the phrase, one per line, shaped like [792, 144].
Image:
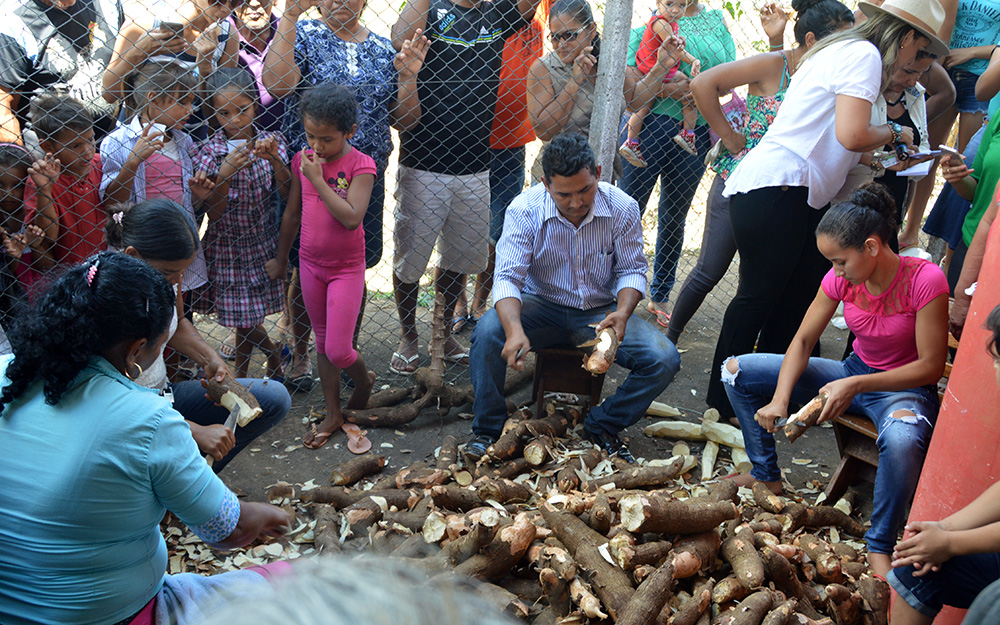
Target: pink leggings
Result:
[332, 296]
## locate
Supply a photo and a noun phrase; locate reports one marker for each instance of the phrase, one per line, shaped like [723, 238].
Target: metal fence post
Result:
[606, 117]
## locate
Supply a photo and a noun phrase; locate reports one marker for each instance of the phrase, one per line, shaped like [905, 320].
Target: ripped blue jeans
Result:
[902, 442]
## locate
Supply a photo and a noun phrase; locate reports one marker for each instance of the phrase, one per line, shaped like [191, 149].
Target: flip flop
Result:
[357, 442]
[461, 358]
[228, 348]
[320, 437]
[662, 317]
[407, 361]
[459, 323]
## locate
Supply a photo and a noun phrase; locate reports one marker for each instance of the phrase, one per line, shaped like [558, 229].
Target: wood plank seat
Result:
[856, 436]
[560, 369]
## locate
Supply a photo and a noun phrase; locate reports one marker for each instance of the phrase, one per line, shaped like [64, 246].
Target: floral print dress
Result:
[760, 114]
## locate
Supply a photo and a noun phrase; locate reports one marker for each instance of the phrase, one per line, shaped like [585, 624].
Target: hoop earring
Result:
[135, 377]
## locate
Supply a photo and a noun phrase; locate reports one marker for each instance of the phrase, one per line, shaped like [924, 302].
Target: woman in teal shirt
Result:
[707, 39]
[91, 461]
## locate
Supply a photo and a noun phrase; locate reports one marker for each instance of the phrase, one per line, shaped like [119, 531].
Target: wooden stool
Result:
[858, 454]
[856, 436]
[560, 370]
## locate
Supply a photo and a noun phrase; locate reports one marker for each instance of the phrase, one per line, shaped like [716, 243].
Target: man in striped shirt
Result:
[570, 256]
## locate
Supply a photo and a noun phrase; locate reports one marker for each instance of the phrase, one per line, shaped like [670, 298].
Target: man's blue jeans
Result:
[273, 397]
[653, 362]
[902, 442]
[679, 173]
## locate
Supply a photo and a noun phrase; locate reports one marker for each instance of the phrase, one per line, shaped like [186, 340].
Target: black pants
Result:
[955, 266]
[780, 271]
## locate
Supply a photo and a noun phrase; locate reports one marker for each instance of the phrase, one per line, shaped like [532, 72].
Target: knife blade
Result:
[234, 413]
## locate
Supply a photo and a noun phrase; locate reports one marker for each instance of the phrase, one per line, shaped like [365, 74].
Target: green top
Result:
[708, 40]
[986, 168]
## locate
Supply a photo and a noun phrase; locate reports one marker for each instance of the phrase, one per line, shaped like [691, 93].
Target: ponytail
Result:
[871, 211]
[159, 229]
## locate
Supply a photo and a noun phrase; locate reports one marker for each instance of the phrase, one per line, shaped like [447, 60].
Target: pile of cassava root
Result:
[558, 533]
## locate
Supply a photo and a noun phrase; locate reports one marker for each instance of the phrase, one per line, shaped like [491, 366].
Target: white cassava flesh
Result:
[676, 429]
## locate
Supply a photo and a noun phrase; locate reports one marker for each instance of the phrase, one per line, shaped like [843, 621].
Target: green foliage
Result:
[735, 9]
[761, 46]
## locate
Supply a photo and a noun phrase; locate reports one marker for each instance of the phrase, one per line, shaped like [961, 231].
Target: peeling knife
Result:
[231, 424]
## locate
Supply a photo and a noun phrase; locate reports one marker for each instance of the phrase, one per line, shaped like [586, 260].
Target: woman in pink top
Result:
[898, 308]
[331, 185]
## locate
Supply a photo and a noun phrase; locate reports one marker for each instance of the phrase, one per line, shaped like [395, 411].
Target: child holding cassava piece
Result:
[16, 273]
[151, 157]
[957, 559]
[662, 26]
[331, 185]
[898, 309]
[62, 196]
[239, 243]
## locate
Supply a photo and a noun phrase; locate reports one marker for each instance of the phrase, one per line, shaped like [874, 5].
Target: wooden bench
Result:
[560, 370]
[856, 436]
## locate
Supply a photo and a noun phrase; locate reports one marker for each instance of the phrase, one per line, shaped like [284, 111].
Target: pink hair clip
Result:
[92, 272]
[117, 217]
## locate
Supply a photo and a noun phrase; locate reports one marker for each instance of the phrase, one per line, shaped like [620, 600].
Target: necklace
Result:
[889, 104]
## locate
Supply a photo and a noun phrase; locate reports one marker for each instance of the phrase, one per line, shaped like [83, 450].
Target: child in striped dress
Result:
[239, 243]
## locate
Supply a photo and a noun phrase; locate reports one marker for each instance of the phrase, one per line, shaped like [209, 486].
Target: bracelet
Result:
[776, 47]
[897, 132]
[876, 164]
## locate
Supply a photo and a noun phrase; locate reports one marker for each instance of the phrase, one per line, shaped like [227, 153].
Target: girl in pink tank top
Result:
[331, 185]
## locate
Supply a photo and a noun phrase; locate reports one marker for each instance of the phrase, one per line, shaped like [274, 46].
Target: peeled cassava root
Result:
[806, 417]
[603, 356]
[232, 394]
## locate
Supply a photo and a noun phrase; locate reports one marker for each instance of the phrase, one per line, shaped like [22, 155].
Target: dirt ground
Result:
[279, 456]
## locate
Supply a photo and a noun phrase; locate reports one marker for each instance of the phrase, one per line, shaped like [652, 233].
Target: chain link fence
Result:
[450, 145]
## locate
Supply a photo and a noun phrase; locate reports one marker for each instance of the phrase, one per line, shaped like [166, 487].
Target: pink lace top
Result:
[885, 324]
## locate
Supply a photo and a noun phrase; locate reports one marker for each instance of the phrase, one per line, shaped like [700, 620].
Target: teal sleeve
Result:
[181, 478]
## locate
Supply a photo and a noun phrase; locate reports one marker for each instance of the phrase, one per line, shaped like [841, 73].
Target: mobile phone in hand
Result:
[177, 28]
[955, 157]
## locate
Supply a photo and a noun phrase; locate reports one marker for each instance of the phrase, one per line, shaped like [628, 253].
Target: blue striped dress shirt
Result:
[541, 253]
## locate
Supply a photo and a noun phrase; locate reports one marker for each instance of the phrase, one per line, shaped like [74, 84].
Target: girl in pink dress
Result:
[331, 185]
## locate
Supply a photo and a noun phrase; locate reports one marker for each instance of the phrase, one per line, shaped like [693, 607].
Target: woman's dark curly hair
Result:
[73, 320]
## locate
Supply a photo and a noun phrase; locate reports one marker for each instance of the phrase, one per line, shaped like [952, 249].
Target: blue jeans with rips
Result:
[653, 362]
[679, 174]
[902, 442]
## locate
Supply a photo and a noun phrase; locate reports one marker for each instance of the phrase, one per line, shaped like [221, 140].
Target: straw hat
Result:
[926, 16]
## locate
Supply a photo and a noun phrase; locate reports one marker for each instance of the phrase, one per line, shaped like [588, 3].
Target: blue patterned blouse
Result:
[365, 68]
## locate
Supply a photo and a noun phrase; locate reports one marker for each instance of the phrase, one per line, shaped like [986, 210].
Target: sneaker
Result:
[611, 445]
[630, 152]
[685, 139]
[475, 449]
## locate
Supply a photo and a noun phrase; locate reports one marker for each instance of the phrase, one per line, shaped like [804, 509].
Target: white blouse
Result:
[801, 148]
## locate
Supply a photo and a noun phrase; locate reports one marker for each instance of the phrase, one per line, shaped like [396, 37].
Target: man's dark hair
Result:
[51, 114]
[567, 155]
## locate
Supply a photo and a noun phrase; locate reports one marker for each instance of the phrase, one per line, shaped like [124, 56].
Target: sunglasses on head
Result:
[567, 36]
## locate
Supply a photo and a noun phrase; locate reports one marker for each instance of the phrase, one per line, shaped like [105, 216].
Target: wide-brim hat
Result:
[926, 16]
